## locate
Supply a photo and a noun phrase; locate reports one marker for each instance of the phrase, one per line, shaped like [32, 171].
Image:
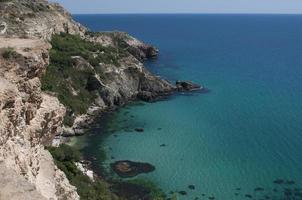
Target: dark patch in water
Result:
[279, 181]
[191, 187]
[182, 193]
[139, 130]
[257, 189]
[290, 182]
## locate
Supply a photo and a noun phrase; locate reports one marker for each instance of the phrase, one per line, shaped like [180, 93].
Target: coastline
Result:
[56, 71]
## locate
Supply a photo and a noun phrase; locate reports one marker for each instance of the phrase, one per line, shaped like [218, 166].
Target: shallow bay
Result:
[245, 133]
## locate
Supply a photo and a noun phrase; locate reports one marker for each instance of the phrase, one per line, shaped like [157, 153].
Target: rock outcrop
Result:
[35, 18]
[187, 86]
[127, 169]
[29, 119]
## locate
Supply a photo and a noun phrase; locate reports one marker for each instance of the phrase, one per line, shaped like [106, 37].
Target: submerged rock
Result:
[126, 168]
[191, 187]
[182, 192]
[131, 191]
[279, 181]
[139, 130]
[259, 189]
[187, 86]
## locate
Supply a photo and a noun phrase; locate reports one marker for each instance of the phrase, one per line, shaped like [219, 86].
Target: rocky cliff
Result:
[31, 117]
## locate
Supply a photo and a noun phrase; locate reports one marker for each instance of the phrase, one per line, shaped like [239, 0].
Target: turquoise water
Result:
[245, 133]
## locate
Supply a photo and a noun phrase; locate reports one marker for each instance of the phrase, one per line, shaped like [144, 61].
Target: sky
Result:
[182, 6]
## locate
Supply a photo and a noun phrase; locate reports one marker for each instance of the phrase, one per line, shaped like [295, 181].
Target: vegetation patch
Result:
[9, 53]
[68, 80]
[65, 158]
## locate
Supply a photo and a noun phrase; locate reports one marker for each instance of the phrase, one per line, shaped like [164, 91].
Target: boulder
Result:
[127, 169]
[187, 86]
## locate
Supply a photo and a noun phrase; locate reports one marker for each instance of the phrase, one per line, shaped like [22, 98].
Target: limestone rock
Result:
[29, 119]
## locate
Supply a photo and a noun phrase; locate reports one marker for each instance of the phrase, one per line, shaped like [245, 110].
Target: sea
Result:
[242, 139]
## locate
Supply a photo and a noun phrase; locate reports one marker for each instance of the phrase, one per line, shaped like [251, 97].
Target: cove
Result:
[237, 141]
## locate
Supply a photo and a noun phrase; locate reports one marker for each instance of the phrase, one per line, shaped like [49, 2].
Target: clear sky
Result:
[182, 6]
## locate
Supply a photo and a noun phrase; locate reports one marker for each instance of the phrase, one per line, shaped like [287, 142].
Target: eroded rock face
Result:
[29, 119]
[137, 48]
[36, 18]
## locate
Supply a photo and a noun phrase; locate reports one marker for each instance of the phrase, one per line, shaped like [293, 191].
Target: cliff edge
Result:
[33, 107]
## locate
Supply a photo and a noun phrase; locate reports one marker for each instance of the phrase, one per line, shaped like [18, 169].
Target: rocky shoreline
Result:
[56, 78]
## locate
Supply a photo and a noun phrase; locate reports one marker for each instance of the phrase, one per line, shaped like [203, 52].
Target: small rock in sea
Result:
[257, 189]
[112, 157]
[238, 188]
[248, 196]
[187, 86]
[203, 195]
[132, 116]
[211, 198]
[159, 129]
[139, 130]
[236, 194]
[191, 187]
[196, 198]
[266, 197]
[278, 181]
[110, 148]
[114, 135]
[182, 192]
[275, 190]
[163, 145]
[127, 169]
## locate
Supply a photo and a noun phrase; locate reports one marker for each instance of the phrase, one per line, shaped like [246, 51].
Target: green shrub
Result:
[9, 53]
[65, 158]
[63, 78]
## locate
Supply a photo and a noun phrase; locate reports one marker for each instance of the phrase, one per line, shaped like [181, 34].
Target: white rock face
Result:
[29, 119]
[3, 28]
[36, 19]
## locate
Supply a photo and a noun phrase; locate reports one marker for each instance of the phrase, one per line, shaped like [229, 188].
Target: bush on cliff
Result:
[68, 81]
[9, 53]
[65, 158]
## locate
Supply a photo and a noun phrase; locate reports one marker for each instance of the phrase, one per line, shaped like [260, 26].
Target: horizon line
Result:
[184, 13]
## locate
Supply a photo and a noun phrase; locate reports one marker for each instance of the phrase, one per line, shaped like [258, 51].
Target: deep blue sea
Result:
[245, 133]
